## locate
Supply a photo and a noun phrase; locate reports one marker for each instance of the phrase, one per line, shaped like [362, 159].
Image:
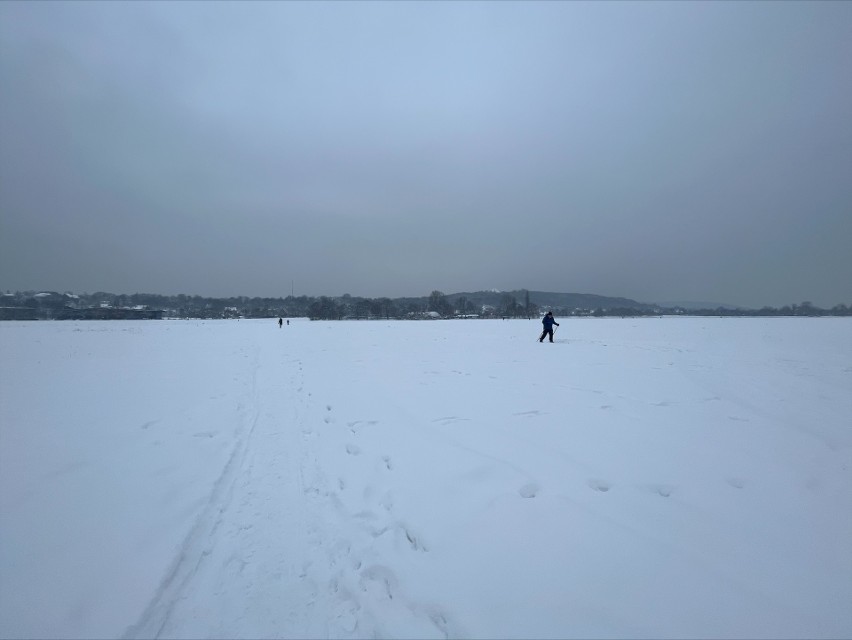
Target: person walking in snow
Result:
[280, 322]
[548, 323]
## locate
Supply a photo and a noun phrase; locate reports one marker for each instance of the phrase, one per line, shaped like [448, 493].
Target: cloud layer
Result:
[651, 150]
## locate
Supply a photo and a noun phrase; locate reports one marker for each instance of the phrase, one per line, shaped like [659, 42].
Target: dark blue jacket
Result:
[548, 322]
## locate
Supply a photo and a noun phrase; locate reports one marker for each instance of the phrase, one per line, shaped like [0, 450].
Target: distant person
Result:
[288, 323]
[281, 322]
[548, 323]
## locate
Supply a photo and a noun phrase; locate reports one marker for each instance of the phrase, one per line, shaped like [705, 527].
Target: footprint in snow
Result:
[356, 425]
[353, 449]
[378, 580]
[662, 490]
[736, 482]
[530, 490]
[345, 613]
[413, 540]
[599, 485]
[400, 532]
[341, 554]
[439, 619]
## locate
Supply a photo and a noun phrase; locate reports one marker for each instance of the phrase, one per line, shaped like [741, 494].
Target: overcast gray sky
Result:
[658, 151]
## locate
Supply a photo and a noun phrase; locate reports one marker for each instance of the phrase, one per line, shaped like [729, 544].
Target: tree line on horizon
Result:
[485, 304]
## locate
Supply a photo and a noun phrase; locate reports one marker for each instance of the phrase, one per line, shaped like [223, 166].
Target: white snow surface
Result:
[659, 478]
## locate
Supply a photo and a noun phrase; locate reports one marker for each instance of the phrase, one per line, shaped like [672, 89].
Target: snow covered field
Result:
[675, 477]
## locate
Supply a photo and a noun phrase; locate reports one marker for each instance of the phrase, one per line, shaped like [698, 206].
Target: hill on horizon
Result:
[551, 299]
[693, 304]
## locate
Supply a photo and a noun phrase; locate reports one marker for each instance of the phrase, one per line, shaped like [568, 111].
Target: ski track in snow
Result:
[199, 543]
[403, 490]
[321, 587]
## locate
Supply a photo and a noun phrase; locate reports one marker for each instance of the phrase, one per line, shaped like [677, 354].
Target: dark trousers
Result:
[548, 331]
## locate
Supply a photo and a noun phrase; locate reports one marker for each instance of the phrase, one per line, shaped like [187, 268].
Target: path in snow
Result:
[281, 548]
